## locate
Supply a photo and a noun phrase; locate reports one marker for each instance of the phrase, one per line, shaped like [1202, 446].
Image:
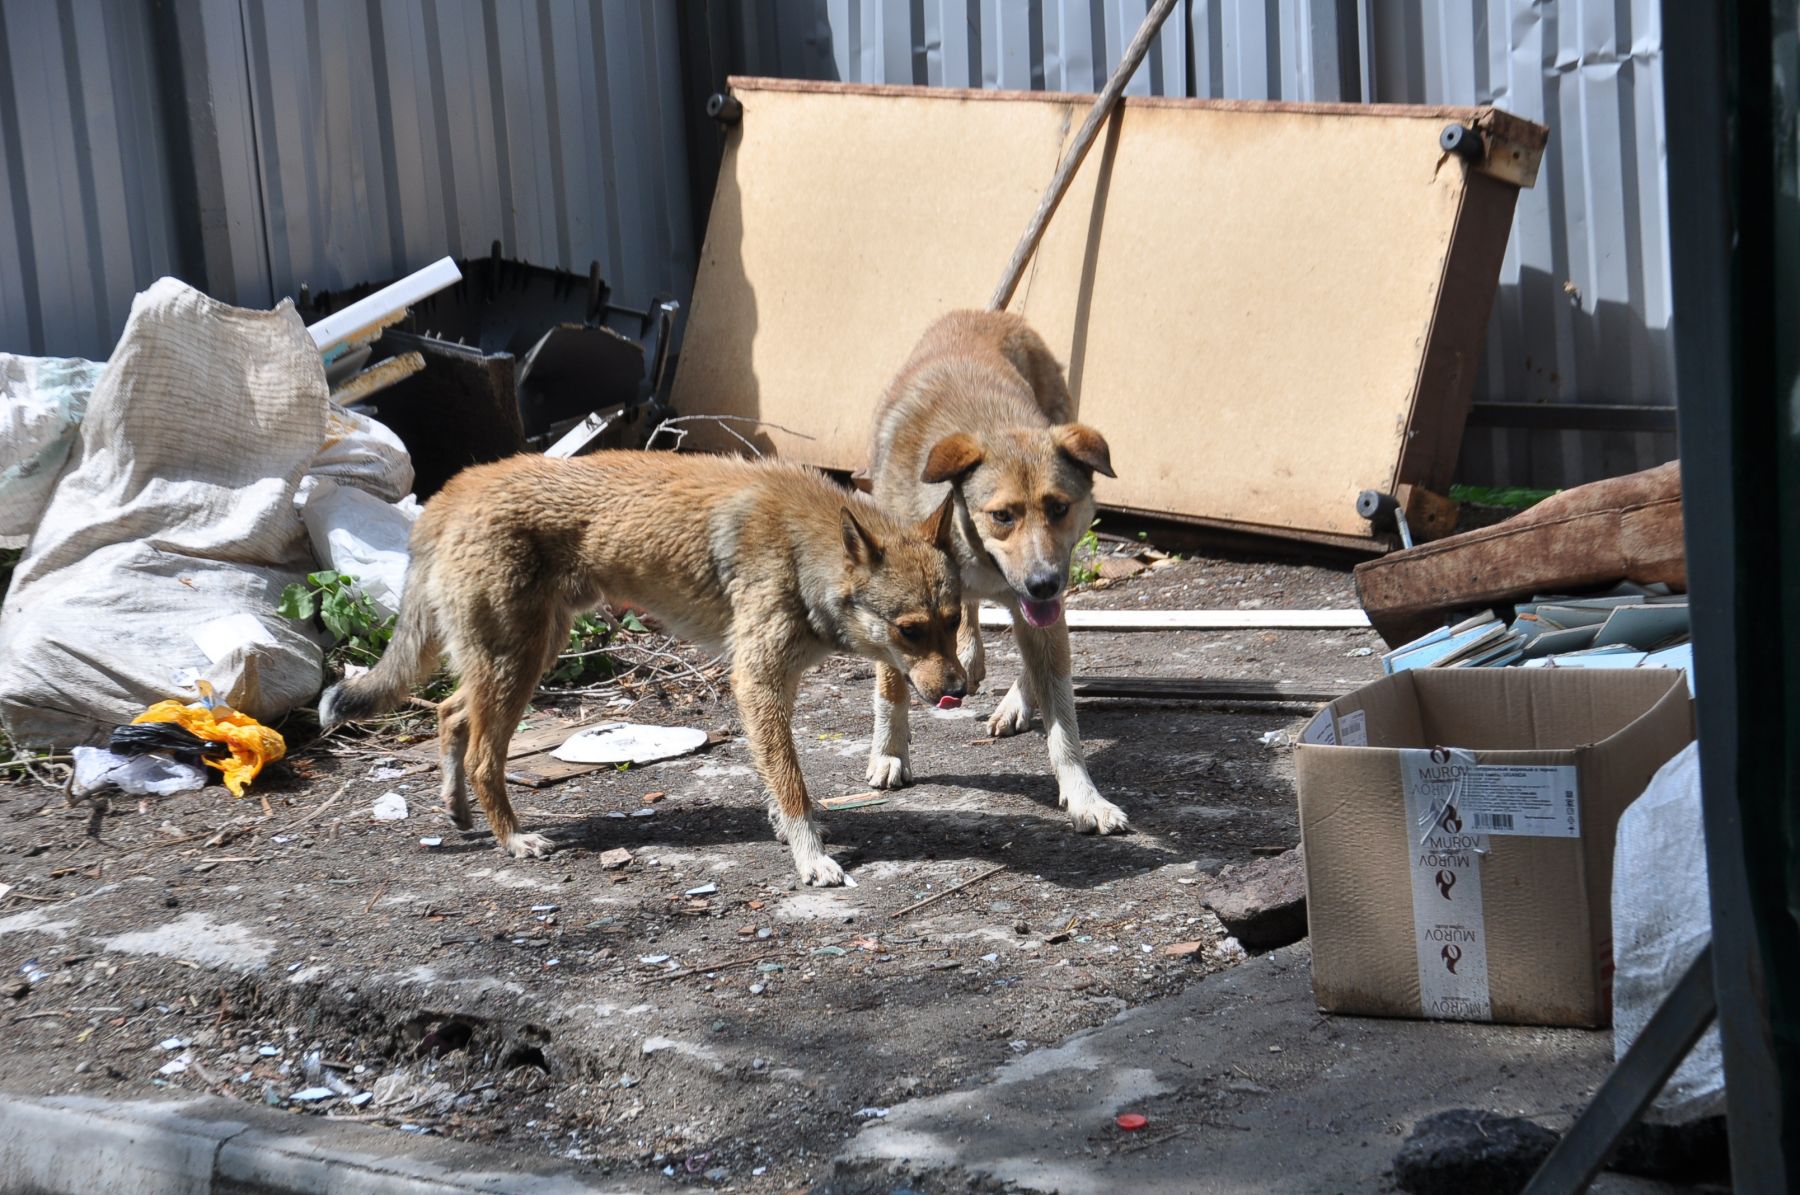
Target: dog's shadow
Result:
[884, 834]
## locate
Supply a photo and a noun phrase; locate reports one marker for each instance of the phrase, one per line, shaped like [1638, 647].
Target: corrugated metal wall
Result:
[252, 145]
[1584, 305]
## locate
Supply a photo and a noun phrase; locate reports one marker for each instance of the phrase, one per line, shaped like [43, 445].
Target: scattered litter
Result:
[629, 742]
[97, 768]
[386, 771]
[756, 989]
[614, 859]
[1181, 949]
[250, 743]
[1273, 738]
[361, 1098]
[34, 974]
[628, 1081]
[313, 1095]
[703, 890]
[642, 812]
[831, 951]
[853, 801]
[175, 1066]
[1131, 1122]
[990, 958]
[653, 798]
[653, 960]
[871, 1113]
[1019, 1046]
[389, 807]
[431, 840]
[168, 1043]
[544, 908]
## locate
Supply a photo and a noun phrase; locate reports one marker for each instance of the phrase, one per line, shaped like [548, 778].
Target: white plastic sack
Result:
[358, 534]
[1662, 919]
[358, 451]
[42, 401]
[172, 525]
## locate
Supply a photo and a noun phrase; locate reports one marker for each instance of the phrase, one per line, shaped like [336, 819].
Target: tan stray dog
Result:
[771, 562]
[981, 412]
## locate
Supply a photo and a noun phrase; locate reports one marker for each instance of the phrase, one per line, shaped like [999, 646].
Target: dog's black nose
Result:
[956, 689]
[1043, 586]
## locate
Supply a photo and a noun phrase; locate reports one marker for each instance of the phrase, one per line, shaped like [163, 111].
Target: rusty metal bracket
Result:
[1513, 147]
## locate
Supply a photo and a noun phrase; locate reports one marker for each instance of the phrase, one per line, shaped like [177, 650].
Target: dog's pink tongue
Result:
[1042, 614]
[948, 702]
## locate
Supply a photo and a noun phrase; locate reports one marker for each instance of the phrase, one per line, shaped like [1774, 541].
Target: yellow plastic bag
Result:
[252, 744]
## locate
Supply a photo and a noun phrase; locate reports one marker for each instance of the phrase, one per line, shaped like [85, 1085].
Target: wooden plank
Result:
[1260, 375]
[1210, 690]
[1194, 620]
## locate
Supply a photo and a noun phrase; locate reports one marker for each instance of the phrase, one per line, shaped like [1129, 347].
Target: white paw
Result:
[1013, 716]
[528, 846]
[1094, 814]
[819, 870]
[888, 771]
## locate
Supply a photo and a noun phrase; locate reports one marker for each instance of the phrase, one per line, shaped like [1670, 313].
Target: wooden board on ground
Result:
[1210, 690]
[993, 617]
[1267, 308]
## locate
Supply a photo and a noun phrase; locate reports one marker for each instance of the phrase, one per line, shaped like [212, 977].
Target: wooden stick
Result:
[730, 966]
[1103, 107]
[916, 906]
[379, 893]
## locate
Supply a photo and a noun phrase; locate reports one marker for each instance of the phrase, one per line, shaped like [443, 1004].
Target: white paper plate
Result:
[629, 742]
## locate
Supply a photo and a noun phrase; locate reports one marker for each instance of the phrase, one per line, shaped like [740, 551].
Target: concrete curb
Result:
[52, 1145]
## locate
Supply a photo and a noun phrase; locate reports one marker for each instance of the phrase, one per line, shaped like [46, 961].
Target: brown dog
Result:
[771, 562]
[981, 411]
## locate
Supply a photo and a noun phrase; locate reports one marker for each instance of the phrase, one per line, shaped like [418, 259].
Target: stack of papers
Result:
[1631, 626]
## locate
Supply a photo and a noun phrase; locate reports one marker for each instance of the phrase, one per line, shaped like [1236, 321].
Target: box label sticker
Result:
[1445, 862]
[1320, 730]
[1353, 729]
[1531, 802]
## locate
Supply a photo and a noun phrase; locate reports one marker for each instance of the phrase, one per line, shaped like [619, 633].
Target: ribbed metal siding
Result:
[1585, 303]
[1589, 69]
[252, 145]
[85, 204]
[1255, 49]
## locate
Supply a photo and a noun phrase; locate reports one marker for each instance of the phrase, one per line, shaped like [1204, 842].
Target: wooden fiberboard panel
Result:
[1245, 295]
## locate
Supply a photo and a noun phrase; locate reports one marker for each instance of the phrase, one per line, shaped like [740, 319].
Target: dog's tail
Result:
[411, 655]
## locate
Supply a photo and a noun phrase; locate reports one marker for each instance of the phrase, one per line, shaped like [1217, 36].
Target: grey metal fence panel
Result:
[1585, 303]
[253, 145]
[85, 201]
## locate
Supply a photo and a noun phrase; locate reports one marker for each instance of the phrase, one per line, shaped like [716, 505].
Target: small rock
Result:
[1470, 1152]
[757, 1064]
[614, 859]
[1263, 904]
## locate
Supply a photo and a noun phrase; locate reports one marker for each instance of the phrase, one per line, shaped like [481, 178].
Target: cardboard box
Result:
[1458, 827]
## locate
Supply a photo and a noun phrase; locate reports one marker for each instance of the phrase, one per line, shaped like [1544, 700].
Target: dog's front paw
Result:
[1013, 716]
[528, 846]
[819, 870]
[1094, 814]
[888, 771]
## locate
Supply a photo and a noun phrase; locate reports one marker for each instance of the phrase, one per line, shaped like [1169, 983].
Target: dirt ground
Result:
[691, 1014]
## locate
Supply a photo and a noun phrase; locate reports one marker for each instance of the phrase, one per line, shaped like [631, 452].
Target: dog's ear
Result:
[951, 459]
[861, 547]
[1085, 446]
[938, 524]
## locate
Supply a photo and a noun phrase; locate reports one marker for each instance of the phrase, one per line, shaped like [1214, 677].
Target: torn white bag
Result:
[171, 532]
[42, 401]
[1662, 919]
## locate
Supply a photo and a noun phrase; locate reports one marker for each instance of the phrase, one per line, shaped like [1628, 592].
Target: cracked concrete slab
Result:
[1246, 1087]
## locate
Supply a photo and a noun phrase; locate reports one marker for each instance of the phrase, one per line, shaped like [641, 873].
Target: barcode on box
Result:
[1493, 821]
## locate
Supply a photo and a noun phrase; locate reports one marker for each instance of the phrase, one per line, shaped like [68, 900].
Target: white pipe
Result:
[344, 325]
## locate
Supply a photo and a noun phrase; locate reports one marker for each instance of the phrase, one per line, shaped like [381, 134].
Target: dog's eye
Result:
[912, 632]
[954, 621]
[1002, 517]
[1056, 510]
